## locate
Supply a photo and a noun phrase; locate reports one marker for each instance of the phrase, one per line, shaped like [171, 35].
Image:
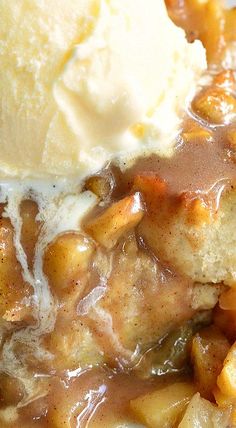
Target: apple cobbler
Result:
[130, 320]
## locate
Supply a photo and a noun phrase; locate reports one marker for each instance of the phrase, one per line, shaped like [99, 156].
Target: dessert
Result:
[88, 75]
[117, 229]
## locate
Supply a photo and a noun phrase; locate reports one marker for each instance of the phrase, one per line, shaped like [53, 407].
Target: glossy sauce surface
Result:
[122, 309]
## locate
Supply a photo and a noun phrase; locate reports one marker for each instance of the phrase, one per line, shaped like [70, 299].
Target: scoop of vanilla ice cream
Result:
[84, 80]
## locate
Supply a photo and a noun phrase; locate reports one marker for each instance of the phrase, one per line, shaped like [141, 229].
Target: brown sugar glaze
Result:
[97, 392]
[196, 167]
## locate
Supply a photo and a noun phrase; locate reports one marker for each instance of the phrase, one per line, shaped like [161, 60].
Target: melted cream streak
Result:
[59, 213]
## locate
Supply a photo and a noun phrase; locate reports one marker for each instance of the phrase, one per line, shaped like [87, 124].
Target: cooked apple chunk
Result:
[215, 105]
[202, 413]
[13, 288]
[227, 378]
[163, 408]
[66, 259]
[116, 220]
[209, 349]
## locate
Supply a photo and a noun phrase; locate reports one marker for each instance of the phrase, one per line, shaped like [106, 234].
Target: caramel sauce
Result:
[201, 170]
[196, 167]
[144, 299]
[96, 397]
[140, 280]
[198, 170]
